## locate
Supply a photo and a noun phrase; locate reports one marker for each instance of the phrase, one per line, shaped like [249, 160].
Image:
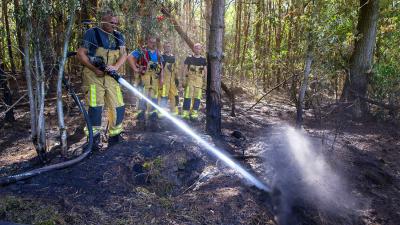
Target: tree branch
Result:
[276, 87]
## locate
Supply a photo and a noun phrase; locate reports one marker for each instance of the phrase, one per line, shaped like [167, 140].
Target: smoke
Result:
[307, 184]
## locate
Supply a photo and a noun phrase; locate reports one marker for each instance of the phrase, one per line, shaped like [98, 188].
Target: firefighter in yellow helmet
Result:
[148, 63]
[101, 90]
[169, 89]
[194, 72]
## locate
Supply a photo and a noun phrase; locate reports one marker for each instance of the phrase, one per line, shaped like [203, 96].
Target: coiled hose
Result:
[22, 176]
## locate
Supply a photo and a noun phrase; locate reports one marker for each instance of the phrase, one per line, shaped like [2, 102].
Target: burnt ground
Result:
[165, 178]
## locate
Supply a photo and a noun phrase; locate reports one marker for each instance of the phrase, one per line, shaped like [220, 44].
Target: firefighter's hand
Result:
[136, 68]
[111, 68]
[161, 81]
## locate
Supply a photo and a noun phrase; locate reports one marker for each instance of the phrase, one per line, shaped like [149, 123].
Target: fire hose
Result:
[22, 176]
[99, 63]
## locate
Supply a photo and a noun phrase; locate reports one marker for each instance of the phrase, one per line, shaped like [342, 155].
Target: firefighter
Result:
[147, 62]
[194, 72]
[102, 91]
[169, 89]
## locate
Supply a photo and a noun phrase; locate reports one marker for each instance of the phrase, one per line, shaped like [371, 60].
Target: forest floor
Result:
[349, 174]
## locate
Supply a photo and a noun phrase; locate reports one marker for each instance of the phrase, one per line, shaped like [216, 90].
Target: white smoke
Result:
[304, 178]
[317, 174]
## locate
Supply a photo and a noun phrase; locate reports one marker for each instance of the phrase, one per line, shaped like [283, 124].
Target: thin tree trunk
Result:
[40, 139]
[20, 41]
[355, 88]
[257, 36]
[278, 41]
[63, 131]
[208, 11]
[268, 60]
[307, 69]
[7, 97]
[293, 59]
[41, 100]
[28, 76]
[304, 85]
[9, 44]
[49, 57]
[245, 41]
[238, 30]
[215, 54]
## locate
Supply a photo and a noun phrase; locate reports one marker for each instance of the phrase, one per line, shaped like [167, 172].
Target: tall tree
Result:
[238, 33]
[28, 75]
[61, 124]
[215, 55]
[9, 43]
[307, 71]
[355, 88]
[17, 13]
[40, 139]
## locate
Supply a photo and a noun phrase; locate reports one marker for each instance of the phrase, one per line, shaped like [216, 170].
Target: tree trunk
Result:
[9, 44]
[63, 132]
[304, 84]
[257, 37]
[267, 62]
[29, 80]
[278, 41]
[208, 11]
[20, 41]
[307, 70]
[7, 97]
[27, 65]
[238, 33]
[40, 144]
[215, 54]
[49, 57]
[247, 13]
[355, 88]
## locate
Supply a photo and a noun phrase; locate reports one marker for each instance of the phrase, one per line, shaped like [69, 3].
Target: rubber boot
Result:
[194, 116]
[186, 115]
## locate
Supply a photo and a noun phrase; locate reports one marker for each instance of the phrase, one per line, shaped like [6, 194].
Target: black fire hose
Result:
[62, 165]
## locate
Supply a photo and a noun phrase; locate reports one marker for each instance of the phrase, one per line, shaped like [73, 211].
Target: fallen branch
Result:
[276, 87]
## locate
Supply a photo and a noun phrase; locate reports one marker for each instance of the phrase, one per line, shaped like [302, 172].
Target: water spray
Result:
[184, 127]
[99, 63]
